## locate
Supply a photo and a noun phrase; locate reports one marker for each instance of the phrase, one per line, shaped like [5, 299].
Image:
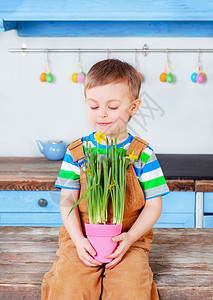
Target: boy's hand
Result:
[85, 250]
[124, 244]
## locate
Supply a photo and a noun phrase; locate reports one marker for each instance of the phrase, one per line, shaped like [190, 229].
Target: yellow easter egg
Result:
[204, 75]
[74, 77]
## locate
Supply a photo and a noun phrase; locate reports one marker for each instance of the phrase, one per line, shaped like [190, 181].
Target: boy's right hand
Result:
[85, 250]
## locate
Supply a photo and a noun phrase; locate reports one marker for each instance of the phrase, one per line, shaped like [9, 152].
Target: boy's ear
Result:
[135, 106]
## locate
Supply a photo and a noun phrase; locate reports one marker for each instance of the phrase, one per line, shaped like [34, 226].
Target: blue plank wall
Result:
[108, 18]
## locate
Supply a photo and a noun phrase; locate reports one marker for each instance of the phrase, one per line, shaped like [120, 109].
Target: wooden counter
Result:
[23, 173]
[39, 174]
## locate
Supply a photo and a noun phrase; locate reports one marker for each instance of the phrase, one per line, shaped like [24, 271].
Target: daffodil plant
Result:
[105, 177]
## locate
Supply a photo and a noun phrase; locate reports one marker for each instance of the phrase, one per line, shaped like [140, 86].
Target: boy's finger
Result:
[119, 237]
[92, 260]
[113, 263]
[91, 251]
[113, 255]
[109, 266]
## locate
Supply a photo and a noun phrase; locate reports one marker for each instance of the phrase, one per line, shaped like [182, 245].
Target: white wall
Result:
[31, 110]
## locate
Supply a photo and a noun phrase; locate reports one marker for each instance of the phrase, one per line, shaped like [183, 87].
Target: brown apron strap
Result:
[76, 149]
[138, 145]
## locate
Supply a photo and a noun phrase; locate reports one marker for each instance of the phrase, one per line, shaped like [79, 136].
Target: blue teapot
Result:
[52, 150]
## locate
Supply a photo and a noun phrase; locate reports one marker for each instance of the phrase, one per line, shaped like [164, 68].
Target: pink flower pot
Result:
[100, 237]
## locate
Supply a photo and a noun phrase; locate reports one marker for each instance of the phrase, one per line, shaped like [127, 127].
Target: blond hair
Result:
[113, 71]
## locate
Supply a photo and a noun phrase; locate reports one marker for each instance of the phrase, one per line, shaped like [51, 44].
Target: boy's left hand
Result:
[124, 244]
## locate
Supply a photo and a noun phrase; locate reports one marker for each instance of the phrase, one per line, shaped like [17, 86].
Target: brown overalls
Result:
[131, 278]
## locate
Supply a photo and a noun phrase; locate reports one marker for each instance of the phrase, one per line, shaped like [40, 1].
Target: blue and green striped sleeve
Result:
[152, 179]
[69, 174]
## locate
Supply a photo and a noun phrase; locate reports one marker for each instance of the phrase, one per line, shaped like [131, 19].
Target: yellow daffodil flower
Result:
[99, 137]
[88, 170]
[111, 184]
[131, 156]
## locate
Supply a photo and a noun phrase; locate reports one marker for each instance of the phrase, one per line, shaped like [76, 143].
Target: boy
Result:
[111, 94]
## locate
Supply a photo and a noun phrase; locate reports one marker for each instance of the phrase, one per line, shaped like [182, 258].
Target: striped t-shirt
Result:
[147, 168]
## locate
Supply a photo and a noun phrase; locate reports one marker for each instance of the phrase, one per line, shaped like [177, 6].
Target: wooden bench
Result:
[181, 260]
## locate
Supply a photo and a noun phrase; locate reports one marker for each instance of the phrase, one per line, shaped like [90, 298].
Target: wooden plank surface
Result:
[28, 173]
[181, 260]
[40, 174]
[204, 185]
[176, 185]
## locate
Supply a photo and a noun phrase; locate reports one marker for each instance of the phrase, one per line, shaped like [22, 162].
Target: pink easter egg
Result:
[200, 78]
[80, 77]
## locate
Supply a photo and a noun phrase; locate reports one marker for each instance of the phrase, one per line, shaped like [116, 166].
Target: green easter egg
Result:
[169, 78]
[84, 74]
[49, 78]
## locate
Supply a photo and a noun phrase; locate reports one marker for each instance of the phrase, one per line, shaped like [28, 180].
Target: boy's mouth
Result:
[104, 124]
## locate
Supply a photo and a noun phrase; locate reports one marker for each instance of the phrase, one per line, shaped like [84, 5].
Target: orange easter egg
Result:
[163, 77]
[140, 76]
[43, 77]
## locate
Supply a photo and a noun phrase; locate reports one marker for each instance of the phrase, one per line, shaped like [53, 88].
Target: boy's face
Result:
[109, 108]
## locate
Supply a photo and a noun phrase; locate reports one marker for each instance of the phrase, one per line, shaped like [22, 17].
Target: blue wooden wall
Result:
[115, 29]
[108, 18]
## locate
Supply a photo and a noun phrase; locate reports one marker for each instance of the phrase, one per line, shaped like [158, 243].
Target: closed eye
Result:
[109, 107]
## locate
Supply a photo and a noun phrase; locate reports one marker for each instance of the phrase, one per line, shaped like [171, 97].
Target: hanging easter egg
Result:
[193, 77]
[49, 78]
[140, 76]
[200, 78]
[43, 77]
[163, 77]
[80, 77]
[169, 78]
[203, 75]
[74, 77]
[84, 74]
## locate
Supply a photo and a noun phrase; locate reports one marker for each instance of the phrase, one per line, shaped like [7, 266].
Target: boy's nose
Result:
[103, 113]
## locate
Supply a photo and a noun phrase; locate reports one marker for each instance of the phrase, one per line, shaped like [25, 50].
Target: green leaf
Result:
[82, 197]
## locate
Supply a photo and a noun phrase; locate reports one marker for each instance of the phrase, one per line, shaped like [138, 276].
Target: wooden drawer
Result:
[179, 202]
[175, 221]
[178, 211]
[208, 202]
[21, 208]
[28, 201]
[208, 221]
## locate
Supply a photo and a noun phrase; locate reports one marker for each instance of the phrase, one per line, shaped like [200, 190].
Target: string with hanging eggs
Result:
[166, 75]
[46, 76]
[79, 75]
[199, 77]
